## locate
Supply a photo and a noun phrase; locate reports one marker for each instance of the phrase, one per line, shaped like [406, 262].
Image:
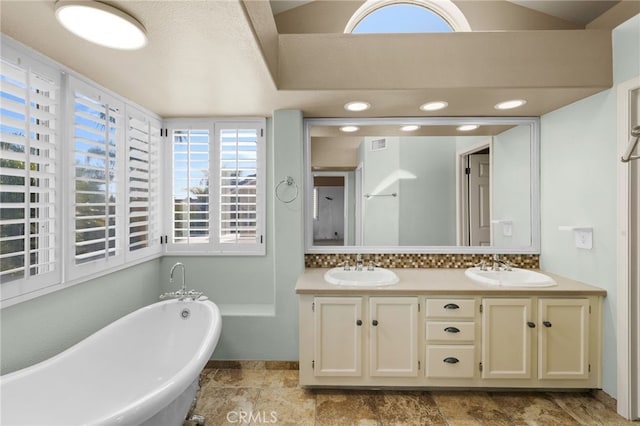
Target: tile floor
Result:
[257, 394]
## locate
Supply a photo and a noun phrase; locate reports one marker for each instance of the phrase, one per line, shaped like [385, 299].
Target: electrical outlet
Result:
[584, 239]
[507, 229]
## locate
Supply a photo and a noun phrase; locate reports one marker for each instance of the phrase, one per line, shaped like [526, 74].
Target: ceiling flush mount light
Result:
[410, 128]
[357, 106]
[467, 127]
[434, 106]
[349, 129]
[101, 24]
[515, 103]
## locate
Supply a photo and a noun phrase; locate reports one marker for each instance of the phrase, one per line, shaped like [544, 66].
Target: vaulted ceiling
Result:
[236, 58]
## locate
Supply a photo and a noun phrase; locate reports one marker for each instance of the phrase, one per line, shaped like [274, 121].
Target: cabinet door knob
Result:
[451, 306]
[359, 322]
[546, 324]
[374, 322]
[451, 360]
[452, 330]
[531, 324]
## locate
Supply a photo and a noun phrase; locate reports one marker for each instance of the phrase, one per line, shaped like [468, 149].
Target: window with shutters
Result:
[97, 202]
[143, 171]
[29, 175]
[107, 152]
[217, 186]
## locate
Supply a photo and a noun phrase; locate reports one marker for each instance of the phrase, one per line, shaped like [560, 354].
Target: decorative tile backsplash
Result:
[412, 260]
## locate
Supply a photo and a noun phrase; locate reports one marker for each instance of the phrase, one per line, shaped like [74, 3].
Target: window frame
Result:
[444, 8]
[214, 246]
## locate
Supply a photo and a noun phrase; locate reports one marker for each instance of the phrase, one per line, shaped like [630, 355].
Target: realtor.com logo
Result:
[250, 417]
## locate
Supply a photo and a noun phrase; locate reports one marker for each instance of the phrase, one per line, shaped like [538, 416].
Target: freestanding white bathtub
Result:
[141, 369]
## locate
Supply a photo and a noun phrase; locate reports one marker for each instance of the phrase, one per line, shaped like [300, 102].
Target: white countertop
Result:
[439, 281]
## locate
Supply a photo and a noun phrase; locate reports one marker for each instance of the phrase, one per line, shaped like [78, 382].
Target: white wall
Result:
[511, 186]
[428, 192]
[380, 178]
[578, 187]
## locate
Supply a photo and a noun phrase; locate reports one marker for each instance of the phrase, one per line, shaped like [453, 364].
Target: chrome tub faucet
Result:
[183, 289]
[182, 293]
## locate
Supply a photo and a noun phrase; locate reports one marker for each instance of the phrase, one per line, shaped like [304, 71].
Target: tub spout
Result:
[183, 289]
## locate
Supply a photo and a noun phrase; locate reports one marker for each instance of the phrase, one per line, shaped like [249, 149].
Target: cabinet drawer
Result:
[450, 361]
[450, 308]
[449, 331]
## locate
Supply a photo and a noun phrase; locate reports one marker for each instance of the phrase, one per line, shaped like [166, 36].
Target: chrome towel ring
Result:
[290, 182]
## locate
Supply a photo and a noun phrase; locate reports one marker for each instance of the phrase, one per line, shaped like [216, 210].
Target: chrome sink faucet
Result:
[482, 265]
[359, 262]
[345, 265]
[500, 264]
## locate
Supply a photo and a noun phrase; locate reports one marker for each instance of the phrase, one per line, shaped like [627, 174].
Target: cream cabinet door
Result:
[507, 332]
[393, 325]
[338, 336]
[563, 338]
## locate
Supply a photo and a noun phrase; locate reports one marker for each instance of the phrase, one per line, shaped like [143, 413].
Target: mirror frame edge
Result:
[533, 122]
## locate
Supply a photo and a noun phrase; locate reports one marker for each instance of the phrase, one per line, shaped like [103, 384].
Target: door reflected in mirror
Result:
[435, 189]
[331, 217]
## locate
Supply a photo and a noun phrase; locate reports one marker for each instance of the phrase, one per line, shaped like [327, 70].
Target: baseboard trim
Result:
[253, 365]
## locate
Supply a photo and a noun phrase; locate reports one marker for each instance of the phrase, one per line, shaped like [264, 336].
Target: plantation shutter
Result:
[190, 185]
[217, 186]
[143, 185]
[97, 180]
[29, 221]
[240, 185]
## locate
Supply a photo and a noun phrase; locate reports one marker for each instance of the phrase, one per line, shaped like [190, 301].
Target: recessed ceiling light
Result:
[349, 129]
[357, 106]
[101, 24]
[434, 106]
[410, 128]
[515, 103]
[467, 127]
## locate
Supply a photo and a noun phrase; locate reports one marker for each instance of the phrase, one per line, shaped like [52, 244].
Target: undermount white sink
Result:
[379, 277]
[516, 277]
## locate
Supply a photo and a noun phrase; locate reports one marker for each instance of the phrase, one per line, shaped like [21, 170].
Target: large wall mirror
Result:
[422, 185]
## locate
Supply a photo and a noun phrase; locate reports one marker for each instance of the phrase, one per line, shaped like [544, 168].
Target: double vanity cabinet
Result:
[437, 328]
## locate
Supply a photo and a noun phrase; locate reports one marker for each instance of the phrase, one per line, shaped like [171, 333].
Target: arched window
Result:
[407, 16]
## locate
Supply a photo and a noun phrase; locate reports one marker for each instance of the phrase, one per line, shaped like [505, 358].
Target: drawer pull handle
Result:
[451, 306]
[452, 330]
[359, 322]
[546, 324]
[451, 360]
[374, 322]
[531, 324]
